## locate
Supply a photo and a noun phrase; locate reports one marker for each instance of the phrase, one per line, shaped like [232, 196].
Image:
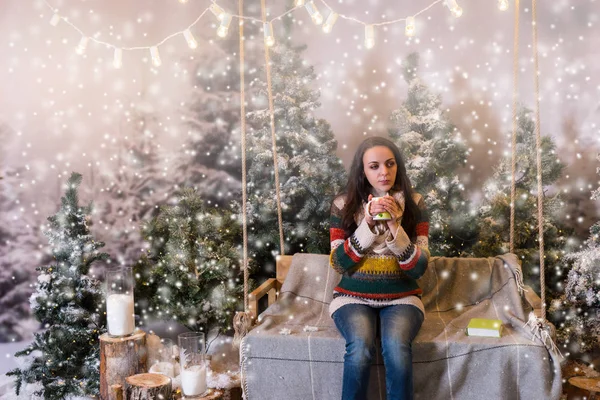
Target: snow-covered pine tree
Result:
[434, 152]
[64, 357]
[191, 273]
[134, 190]
[211, 162]
[494, 214]
[310, 173]
[18, 249]
[580, 331]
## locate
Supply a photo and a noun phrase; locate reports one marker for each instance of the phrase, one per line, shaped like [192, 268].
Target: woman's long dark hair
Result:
[358, 187]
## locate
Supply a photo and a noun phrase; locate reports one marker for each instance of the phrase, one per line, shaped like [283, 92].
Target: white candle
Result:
[163, 367]
[119, 313]
[193, 380]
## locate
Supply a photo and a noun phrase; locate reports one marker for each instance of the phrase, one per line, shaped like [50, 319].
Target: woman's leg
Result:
[357, 324]
[399, 326]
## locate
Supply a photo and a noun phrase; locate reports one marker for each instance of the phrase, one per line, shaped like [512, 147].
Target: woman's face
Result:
[380, 169]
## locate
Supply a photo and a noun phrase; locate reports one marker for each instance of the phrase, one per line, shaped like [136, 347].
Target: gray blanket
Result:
[297, 353]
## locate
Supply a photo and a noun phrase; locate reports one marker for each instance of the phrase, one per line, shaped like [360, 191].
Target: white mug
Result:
[382, 216]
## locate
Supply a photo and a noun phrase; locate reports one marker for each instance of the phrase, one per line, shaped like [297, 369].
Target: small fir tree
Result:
[64, 357]
[434, 152]
[191, 272]
[580, 331]
[494, 215]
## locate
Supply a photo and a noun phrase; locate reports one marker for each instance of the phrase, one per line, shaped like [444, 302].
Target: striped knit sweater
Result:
[378, 269]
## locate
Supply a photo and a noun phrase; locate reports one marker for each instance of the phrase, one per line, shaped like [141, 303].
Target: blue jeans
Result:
[399, 326]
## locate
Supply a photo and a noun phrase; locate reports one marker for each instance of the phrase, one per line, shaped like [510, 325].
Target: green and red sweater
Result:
[376, 266]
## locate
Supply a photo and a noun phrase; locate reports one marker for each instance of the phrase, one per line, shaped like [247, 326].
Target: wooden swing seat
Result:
[296, 352]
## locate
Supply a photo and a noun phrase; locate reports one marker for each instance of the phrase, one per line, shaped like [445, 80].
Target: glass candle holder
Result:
[192, 363]
[119, 301]
[164, 361]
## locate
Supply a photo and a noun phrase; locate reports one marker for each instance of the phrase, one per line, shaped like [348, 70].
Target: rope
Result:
[538, 147]
[243, 134]
[514, 127]
[273, 138]
[242, 321]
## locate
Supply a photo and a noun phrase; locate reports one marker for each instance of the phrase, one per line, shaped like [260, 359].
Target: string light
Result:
[369, 36]
[315, 15]
[224, 27]
[269, 38]
[118, 58]
[217, 11]
[503, 5]
[328, 25]
[189, 38]
[225, 21]
[155, 56]
[80, 49]
[55, 19]
[410, 26]
[454, 8]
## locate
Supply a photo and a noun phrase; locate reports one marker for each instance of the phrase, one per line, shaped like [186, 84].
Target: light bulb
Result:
[369, 37]
[189, 38]
[329, 22]
[454, 8]
[503, 5]
[118, 58]
[217, 11]
[55, 19]
[183, 1]
[269, 38]
[299, 3]
[315, 15]
[80, 49]
[409, 30]
[224, 27]
[155, 56]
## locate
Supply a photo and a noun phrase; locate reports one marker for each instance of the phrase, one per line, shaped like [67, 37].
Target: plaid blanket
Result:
[296, 352]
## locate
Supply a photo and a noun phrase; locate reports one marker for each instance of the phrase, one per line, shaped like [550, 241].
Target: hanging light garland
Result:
[224, 19]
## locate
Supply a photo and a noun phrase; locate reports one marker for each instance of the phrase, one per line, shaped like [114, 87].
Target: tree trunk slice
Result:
[213, 394]
[148, 387]
[120, 358]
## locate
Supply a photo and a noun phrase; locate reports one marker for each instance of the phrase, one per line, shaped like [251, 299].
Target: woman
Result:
[379, 262]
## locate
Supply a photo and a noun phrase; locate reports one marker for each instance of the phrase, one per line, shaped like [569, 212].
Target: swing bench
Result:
[296, 352]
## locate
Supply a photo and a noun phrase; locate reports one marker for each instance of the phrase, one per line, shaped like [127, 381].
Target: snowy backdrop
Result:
[141, 132]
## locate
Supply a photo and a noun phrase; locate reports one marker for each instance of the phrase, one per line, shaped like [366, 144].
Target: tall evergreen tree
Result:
[18, 249]
[133, 191]
[580, 304]
[211, 162]
[434, 152]
[64, 357]
[494, 215]
[310, 174]
[191, 272]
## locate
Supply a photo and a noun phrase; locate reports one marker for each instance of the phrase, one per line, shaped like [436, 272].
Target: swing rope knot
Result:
[544, 331]
[242, 323]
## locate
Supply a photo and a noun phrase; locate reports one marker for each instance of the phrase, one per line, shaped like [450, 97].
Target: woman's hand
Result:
[395, 209]
[369, 212]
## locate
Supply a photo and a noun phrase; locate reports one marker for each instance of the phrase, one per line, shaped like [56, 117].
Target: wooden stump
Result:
[115, 392]
[148, 387]
[120, 358]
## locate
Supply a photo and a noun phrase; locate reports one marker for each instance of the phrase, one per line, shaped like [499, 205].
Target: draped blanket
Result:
[296, 352]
